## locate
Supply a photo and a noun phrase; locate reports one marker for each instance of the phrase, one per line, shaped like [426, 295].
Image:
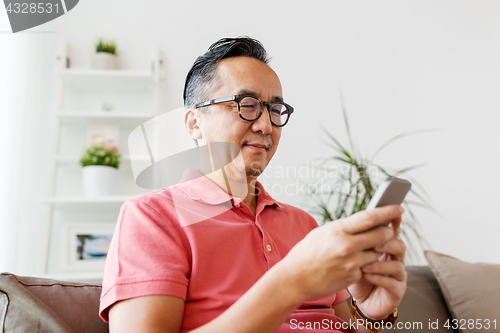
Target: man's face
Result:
[258, 140]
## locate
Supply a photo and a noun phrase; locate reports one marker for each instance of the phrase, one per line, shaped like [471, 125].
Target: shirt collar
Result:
[264, 197]
[198, 187]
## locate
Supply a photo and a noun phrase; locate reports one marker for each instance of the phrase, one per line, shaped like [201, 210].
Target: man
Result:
[216, 253]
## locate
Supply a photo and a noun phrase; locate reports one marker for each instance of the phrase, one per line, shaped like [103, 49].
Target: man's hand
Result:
[331, 257]
[383, 284]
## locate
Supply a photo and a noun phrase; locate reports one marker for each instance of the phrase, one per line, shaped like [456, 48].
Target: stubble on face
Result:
[254, 170]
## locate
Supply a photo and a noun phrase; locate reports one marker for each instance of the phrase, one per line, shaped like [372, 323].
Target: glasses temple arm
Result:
[216, 101]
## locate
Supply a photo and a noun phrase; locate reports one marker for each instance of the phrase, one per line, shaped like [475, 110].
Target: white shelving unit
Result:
[83, 97]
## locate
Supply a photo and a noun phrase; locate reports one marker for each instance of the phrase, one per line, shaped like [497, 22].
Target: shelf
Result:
[70, 74]
[107, 79]
[71, 159]
[105, 117]
[86, 200]
[80, 204]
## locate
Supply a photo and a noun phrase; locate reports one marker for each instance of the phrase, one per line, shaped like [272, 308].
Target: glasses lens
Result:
[279, 114]
[250, 108]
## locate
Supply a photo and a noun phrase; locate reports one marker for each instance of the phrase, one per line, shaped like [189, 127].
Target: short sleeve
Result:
[147, 256]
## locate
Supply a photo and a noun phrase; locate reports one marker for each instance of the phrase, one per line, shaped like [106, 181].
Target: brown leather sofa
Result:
[29, 304]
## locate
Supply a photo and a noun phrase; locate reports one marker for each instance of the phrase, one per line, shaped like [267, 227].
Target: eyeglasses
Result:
[250, 108]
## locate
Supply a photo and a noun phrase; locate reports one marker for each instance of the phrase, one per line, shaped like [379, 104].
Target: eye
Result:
[279, 110]
[249, 104]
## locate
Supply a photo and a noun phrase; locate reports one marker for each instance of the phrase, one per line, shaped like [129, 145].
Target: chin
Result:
[253, 172]
[255, 169]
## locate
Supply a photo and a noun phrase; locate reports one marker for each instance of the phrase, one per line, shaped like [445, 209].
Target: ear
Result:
[192, 123]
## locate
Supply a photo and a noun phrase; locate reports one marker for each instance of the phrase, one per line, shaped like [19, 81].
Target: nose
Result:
[263, 124]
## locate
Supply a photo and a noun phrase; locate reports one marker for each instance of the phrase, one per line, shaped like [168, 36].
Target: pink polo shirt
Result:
[196, 242]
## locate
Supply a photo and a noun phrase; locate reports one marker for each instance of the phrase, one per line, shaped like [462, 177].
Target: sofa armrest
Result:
[31, 304]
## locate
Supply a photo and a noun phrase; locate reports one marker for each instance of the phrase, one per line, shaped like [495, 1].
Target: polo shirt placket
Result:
[269, 248]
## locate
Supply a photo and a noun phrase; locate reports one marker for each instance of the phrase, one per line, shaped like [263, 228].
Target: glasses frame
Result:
[239, 98]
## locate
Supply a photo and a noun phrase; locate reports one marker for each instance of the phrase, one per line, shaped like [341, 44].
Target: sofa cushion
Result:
[30, 304]
[422, 304]
[471, 291]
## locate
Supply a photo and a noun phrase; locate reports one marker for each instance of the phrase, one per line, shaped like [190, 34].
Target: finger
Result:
[395, 247]
[393, 286]
[364, 258]
[396, 226]
[367, 219]
[396, 223]
[370, 239]
[394, 269]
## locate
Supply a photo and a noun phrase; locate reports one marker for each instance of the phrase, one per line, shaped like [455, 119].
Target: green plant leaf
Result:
[99, 155]
[420, 187]
[106, 46]
[407, 169]
[399, 136]
[341, 159]
[346, 122]
[339, 145]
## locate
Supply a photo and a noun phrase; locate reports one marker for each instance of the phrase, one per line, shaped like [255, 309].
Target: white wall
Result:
[25, 105]
[402, 66]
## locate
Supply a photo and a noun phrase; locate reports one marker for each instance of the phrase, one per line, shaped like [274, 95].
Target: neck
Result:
[252, 197]
[240, 187]
[232, 179]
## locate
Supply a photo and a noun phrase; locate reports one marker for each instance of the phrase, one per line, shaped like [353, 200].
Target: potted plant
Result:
[105, 56]
[360, 175]
[100, 166]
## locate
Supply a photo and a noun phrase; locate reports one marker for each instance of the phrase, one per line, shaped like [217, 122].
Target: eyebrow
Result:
[249, 92]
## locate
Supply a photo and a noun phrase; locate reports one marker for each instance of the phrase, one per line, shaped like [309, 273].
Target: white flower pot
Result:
[99, 180]
[104, 60]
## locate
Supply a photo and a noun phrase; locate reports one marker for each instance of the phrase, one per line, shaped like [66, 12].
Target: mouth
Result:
[257, 146]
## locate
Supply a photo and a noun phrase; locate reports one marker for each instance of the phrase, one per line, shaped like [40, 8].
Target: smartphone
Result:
[392, 191]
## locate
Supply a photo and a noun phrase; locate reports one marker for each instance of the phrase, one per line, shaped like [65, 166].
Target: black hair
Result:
[202, 80]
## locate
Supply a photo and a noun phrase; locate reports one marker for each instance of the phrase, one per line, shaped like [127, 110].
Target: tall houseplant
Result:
[100, 166]
[352, 190]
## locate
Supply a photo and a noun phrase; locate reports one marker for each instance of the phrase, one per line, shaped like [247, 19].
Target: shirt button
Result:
[236, 204]
[268, 247]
